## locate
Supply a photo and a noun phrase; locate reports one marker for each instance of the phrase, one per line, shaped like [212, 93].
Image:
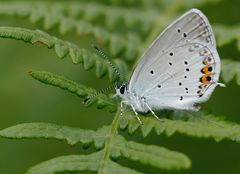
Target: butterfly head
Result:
[122, 89]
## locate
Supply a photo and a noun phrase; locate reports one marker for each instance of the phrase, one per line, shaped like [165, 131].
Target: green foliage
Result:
[69, 163]
[115, 147]
[230, 70]
[226, 34]
[64, 48]
[125, 31]
[198, 125]
[73, 87]
[66, 17]
[48, 130]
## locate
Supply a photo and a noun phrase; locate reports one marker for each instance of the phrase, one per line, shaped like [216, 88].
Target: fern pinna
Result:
[112, 24]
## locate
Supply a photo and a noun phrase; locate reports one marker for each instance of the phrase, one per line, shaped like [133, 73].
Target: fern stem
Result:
[108, 142]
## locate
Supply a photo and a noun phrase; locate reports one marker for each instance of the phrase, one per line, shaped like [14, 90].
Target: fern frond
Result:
[198, 125]
[63, 49]
[154, 156]
[230, 69]
[52, 15]
[75, 163]
[113, 17]
[70, 163]
[151, 155]
[62, 12]
[102, 100]
[227, 34]
[53, 131]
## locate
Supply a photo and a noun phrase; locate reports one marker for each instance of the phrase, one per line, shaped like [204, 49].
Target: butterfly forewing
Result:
[181, 67]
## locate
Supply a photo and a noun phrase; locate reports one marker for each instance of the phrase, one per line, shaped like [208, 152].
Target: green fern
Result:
[102, 21]
[55, 16]
[230, 70]
[73, 87]
[64, 48]
[227, 34]
[115, 146]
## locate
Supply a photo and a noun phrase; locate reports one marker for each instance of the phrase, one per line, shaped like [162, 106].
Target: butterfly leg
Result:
[136, 114]
[150, 109]
[121, 108]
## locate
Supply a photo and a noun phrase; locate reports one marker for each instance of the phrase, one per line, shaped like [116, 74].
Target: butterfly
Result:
[179, 69]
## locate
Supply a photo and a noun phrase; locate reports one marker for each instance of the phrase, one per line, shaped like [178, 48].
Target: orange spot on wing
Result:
[205, 79]
[205, 70]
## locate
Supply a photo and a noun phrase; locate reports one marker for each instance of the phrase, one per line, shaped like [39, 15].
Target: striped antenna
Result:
[88, 99]
[107, 59]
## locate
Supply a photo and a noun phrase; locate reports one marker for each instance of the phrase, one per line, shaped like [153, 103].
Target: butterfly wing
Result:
[181, 67]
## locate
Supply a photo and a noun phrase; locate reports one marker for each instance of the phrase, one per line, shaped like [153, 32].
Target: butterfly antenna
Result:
[107, 59]
[88, 99]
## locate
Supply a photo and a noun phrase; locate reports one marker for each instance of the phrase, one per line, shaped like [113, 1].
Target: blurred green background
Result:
[24, 99]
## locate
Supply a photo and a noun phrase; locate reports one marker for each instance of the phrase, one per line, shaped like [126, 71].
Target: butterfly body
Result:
[131, 98]
[180, 68]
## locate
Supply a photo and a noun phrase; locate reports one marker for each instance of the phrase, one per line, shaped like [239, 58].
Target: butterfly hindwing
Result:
[185, 81]
[182, 65]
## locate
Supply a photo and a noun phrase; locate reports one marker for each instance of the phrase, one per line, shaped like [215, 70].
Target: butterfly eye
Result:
[122, 89]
